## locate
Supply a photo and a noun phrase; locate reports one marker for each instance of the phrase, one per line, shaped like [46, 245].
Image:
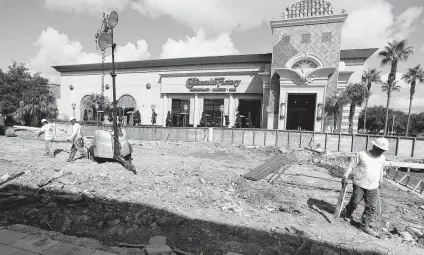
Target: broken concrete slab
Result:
[158, 250]
[6, 250]
[8, 237]
[67, 249]
[34, 244]
[157, 240]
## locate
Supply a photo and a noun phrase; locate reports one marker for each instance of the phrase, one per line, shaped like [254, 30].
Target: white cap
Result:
[381, 143]
[73, 118]
[44, 120]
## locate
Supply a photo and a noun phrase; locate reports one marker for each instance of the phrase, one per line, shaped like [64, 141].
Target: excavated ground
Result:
[193, 194]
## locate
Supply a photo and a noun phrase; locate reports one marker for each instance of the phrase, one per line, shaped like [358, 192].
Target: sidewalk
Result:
[15, 243]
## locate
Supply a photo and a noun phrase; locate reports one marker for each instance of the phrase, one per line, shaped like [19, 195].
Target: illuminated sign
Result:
[213, 85]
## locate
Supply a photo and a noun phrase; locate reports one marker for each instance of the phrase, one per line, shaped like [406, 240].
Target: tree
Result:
[334, 107]
[26, 95]
[391, 55]
[375, 119]
[355, 94]
[369, 77]
[136, 117]
[412, 76]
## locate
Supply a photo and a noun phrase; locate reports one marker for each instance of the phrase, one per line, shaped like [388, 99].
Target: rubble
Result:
[198, 188]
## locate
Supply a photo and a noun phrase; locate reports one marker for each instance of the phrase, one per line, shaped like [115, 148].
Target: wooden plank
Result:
[277, 174]
[340, 201]
[404, 164]
[403, 178]
[416, 186]
[262, 171]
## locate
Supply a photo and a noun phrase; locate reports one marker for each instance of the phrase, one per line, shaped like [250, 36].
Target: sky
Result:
[44, 33]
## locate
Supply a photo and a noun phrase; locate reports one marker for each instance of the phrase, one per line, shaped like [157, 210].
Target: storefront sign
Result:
[219, 85]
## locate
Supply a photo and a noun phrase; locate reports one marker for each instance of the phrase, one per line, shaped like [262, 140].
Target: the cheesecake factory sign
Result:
[219, 85]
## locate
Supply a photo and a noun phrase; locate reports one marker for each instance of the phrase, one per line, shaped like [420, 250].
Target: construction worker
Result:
[77, 140]
[48, 130]
[367, 173]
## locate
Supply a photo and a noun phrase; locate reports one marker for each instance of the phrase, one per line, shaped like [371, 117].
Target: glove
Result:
[344, 181]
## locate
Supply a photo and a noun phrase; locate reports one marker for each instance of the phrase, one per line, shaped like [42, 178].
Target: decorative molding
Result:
[302, 56]
[309, 21]
[301, 78]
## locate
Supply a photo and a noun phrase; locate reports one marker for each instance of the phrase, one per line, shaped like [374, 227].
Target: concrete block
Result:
[158, 240]
[158, 250]
[7, 250]
[97, 252]
[67, 249]
[8, 237]
[21, 252]
[34, 244]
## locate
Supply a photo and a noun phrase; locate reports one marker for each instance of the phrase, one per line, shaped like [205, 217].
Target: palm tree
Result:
[393, 53]
[334, 107]
[369, 77]
[355, 94]
[412, 76]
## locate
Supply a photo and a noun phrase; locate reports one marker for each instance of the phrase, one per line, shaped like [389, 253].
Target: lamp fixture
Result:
[148, 85]
[282, 110]
[71, 87]
[73, 106]
[221, 108]
[153, 107]
[319, 112]
[185, 107]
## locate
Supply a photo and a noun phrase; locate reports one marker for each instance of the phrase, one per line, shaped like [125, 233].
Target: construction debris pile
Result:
[200, 188]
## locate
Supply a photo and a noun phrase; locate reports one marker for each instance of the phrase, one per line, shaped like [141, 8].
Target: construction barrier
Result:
[399, 146]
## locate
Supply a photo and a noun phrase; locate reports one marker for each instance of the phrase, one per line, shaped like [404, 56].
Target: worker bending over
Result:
[367, 173]
[77, 140]
[48, 130]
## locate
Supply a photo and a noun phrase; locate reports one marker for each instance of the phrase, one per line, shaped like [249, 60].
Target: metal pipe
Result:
[116, 151]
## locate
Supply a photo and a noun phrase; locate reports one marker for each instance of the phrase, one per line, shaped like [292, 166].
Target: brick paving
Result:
[15, 243]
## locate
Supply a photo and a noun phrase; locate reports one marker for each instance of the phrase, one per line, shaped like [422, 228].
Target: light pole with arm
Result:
[73, 108]
[185, 114]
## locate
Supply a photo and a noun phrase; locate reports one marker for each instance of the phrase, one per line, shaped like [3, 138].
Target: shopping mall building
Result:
[286, 89]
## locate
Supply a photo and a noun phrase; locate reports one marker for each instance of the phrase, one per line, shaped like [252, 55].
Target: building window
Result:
[179, 116]
[326, 37]
[353, 61]
[304, 64]
[211, 113]
[286, 39]
[306, 38]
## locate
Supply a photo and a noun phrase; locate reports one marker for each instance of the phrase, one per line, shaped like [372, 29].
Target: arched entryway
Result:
[85, 104]
[126, 106]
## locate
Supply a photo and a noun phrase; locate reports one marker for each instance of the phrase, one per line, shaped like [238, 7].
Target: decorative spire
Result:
[308, 8]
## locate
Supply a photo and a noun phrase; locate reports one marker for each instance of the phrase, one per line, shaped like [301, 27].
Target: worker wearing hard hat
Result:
[48, 130]
[367, 172]
[77, 140]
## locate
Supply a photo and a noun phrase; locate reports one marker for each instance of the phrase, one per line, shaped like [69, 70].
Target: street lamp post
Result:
[104, 39]
[73, 108]
[153, 106]
[221, 108]
[185, 114]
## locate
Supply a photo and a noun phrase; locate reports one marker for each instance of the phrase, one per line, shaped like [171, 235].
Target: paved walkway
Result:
[15, 243]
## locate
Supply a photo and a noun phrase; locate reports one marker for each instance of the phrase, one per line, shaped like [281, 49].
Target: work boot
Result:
[71, 156]
[369, 231]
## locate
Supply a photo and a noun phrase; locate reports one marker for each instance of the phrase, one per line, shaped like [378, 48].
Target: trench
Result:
[114, 222]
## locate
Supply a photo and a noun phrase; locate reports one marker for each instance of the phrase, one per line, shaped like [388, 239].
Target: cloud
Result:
[57, 49]
[198, 45]
[380, 26]
[86, 6]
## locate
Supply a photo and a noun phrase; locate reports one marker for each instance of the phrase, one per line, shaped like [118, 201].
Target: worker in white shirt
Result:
[48, 130]
[367, 174]
[77, 140]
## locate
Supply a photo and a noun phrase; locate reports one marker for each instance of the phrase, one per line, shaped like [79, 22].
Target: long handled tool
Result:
[340, 201]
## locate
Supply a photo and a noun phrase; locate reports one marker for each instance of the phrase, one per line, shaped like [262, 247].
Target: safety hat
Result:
[381, 143]
[73, 118]
[44, 121]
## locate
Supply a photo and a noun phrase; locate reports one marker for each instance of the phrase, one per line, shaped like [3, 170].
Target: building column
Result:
[196, 110]
[165, 112]
[266, 90]
[231, 113]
